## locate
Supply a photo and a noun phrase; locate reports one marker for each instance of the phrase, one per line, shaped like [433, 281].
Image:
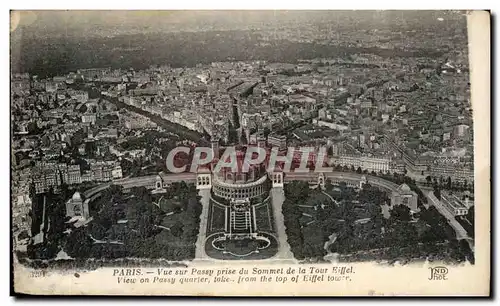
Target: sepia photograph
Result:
[250, 152]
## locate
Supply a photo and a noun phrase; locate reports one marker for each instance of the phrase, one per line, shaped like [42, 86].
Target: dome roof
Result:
[76, 196]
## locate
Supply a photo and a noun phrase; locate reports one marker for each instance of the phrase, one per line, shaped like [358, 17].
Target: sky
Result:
[120, 22]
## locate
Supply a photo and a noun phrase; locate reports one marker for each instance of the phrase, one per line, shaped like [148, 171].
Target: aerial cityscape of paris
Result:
[266, 136]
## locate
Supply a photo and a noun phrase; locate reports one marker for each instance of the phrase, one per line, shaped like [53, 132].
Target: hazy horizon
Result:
[109, 22]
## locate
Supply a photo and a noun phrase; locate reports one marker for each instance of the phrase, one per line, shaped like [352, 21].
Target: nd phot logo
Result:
[438, 273]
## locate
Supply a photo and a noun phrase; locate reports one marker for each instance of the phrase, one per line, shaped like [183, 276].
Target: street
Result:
[459, 230]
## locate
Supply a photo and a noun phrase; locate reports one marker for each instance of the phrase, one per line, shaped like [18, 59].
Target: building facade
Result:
[403, 195]
[455, 205]
[77, 207]
[364, 162]
[275, 140]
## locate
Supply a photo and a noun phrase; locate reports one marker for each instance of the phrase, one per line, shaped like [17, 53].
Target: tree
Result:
[328, 184]
[437, 192]
[267, 131]
[192, 221]
[330, 151]
[177, 229]
[143, 196]
[401, 213]
[448, 183]
[145, 225]
[78, 244]
[359, 170]
[292, 214]
[243, 138]
[405, 234]
[466, 251]
[428, 179]
[97, 231]
[470, 215]
[232, 134]
[236, 117]
[297, 191]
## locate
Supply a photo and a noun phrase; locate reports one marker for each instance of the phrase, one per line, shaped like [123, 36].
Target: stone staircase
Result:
[240, 222]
